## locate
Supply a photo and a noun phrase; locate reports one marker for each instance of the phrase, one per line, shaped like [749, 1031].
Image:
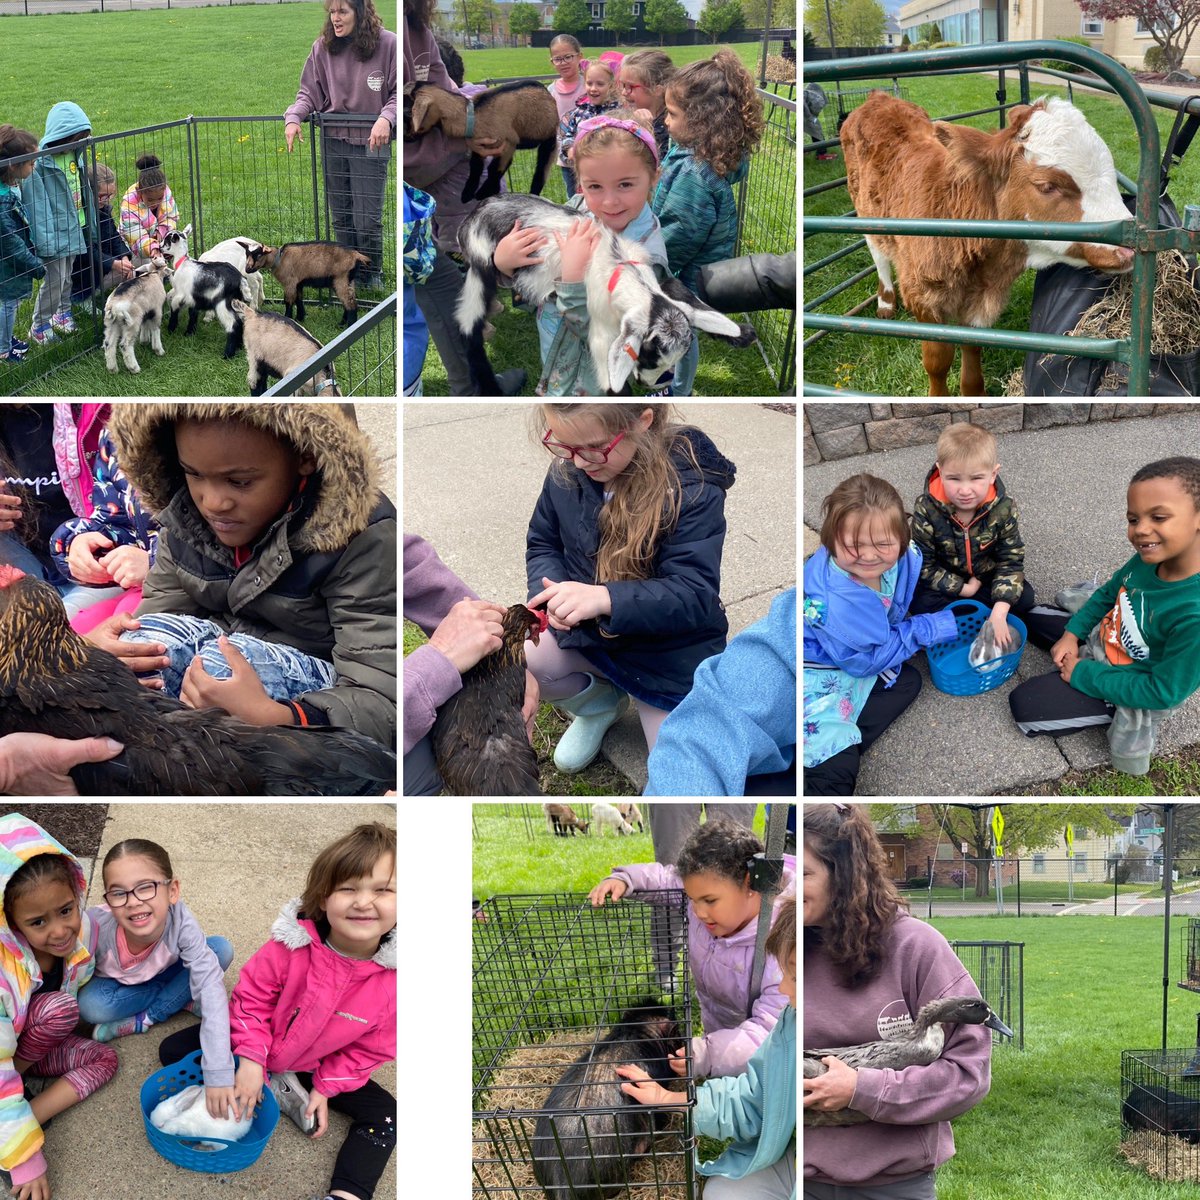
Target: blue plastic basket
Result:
[210, 1154]
[948, 665]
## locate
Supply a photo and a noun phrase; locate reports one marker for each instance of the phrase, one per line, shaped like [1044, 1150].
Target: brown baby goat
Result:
[311, 264]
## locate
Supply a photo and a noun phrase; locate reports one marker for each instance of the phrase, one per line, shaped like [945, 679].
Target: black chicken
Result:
[479, 738]
[53, 682]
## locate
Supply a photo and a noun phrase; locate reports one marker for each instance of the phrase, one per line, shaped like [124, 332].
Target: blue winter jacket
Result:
[662, 628]
[739, 719]
[19, 266]
[49, 194]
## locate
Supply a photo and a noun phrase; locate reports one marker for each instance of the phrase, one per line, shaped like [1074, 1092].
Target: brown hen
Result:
[53, 682]
[479, 737]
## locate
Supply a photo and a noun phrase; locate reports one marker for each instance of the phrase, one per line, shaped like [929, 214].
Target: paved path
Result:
[1069, 483]
[472, 474]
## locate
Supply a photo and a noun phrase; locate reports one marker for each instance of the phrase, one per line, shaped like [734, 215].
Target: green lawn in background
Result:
[1050, 1126]
[892, 366]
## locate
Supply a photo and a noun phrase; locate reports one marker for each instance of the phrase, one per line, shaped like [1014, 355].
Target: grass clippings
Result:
[1162, 1156]
[500, 1143]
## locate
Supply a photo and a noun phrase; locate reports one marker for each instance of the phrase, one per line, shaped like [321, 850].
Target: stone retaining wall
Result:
[833, 431]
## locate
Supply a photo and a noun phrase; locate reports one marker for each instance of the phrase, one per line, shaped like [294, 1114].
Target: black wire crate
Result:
[998, 969]
[1160, 1112]
[553, 979]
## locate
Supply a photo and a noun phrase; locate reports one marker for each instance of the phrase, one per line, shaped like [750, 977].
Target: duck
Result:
[918, 1047]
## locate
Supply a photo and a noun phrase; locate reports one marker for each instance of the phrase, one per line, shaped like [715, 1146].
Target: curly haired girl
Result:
[869, 968]
[715, 119]
[624, 550]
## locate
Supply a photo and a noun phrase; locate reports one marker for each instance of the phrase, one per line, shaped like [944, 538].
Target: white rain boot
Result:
[594, 710]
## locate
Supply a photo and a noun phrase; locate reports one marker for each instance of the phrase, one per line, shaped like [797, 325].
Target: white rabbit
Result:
[984, 648]
[185, 1115]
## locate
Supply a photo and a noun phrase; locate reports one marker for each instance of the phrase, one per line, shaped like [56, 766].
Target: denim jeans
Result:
[284, 671]
[8, 319]
[15, 553]
[104, 999]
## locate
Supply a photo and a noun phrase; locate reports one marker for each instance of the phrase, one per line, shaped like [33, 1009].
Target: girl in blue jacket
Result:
[857, 631]
[624, 550]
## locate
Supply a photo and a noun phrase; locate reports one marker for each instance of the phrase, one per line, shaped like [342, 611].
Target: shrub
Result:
[943, 45]
[1056, 64]
[1156, 58]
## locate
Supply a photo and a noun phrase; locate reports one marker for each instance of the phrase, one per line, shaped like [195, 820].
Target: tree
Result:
[618, 17]
[718, 17]
[782, 15]
[571, 16]
[524, 19]
[1171, 23]
[478, 16]
[904, 42]
[861, 23]
[664, 16]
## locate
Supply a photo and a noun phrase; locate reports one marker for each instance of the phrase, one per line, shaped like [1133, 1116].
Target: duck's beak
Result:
[994, 1022]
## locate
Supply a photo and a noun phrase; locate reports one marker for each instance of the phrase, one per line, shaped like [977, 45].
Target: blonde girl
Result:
[643, 85]
[715, 119]
[616, 158]
[858, 635]
[566, 57]
[599, 96]
[624, 551]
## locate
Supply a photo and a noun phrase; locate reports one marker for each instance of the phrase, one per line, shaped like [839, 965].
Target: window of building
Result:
[1091, 28]
[1080, 860]
[1039, 864]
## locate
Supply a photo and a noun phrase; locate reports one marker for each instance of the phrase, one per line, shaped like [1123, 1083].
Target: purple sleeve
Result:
[727, 1051]
[431, 589]
[208, 990]
[648, 877]
[430, 679]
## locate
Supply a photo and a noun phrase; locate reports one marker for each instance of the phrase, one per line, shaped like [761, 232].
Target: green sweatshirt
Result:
[1151, 633]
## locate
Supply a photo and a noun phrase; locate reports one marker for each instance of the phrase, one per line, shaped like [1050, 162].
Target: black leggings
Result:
[372, 1111]
[837, 776]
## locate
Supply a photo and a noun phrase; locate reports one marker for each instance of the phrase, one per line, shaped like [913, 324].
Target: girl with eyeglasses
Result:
[643, 84]
[49, 946]
[107, 261]
[624, 550]
[566, 57]
[153, 960]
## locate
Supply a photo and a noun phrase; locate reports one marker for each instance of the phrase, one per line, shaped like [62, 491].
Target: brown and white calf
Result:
[1049, 164]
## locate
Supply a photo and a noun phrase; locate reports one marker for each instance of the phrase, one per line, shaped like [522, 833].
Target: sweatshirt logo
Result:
[1122, 639]
[375, 81]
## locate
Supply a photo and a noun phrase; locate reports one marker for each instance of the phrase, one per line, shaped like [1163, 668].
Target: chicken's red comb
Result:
[543, 619]
[10, 574]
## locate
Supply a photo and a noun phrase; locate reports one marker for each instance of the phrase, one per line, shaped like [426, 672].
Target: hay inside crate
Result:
[551, 976]
[1160, 1114]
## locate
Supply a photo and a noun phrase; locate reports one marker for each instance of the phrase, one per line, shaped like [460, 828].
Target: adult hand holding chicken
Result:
[568, 603]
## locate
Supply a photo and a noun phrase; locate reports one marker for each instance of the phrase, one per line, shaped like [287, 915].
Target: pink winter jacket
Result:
[721, 968]
[76, 442]
[300, 1006]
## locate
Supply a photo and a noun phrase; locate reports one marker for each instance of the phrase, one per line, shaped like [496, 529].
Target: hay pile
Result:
[1168, 1158]
[779, 70]
[1014, 385]
[500, 1145]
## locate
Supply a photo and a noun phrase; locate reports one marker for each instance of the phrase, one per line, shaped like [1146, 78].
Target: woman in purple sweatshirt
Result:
[869, 968]
[352, 69]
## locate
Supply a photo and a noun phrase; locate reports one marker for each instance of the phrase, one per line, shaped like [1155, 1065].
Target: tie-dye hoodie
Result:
[20, 1135]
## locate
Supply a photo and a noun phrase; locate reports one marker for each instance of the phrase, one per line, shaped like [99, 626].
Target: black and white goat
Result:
[133, 313]
[637, 325]
[203, 286]
[236, 252]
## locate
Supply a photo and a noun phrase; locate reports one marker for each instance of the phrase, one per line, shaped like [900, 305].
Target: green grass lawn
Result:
[1051, 1124]
[1031, 890]
[235, 178]
[769, 226]
[892, 366]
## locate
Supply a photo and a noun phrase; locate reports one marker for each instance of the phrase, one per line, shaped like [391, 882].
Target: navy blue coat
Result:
[660, 629]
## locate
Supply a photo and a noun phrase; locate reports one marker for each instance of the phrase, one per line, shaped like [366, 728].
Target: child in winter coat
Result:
[314, 1010]
[108, 261]
[19, 265]
[60, 203]
[756, 1108]
[599, 96]
[49, 946]
[273, 589]
[624, 550]
[722, 917]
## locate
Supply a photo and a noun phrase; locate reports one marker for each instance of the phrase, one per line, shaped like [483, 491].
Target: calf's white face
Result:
[1058, 138]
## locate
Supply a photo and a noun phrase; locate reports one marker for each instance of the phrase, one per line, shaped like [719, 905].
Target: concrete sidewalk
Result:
[1069, 483]
[238, 864]
[472, 474]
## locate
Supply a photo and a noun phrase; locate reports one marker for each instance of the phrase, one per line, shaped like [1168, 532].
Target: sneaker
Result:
[293, 1100]
[19, 348]
[63, 322]
[108, 1031]
[43, 335]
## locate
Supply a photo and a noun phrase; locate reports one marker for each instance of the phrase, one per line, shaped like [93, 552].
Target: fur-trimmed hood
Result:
[347, 468]
[295, 932]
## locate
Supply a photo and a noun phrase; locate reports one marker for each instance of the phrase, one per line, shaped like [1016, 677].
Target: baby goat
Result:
[637, 325]
[236, 252]
[317, 264]
[133, 313]
[202, 286]
[518, 115]
[277, 346]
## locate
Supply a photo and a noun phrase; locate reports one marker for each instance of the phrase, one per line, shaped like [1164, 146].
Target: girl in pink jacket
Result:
[314, 1010]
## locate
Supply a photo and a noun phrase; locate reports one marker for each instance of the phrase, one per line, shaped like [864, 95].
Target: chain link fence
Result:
[27, 8]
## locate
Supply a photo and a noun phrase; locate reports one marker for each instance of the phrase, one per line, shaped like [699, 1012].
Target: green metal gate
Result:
[1142, 233]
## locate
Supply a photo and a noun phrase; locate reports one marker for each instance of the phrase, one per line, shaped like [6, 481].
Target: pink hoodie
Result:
[300, 1006]
[75, 445]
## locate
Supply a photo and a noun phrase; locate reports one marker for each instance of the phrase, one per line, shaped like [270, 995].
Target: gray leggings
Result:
[355, 183]
[919, 1187]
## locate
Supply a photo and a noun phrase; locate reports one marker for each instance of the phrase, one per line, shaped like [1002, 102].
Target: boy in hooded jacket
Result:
[47, 953]
[273, 589]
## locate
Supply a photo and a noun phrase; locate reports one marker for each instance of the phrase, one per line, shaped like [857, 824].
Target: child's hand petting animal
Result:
[576, 249]
[221, 1102]
[1000, 627]
[247, 1086]
[568, 603]
[517, 248]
